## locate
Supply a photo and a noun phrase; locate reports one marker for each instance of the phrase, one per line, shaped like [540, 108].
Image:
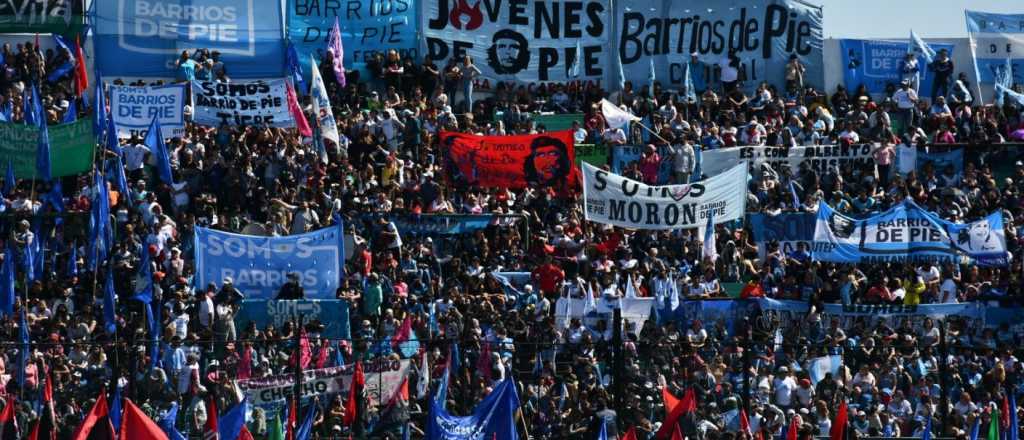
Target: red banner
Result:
[538, 160]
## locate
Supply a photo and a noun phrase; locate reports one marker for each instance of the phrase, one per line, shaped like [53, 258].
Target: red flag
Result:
[403, 333]
[838, 430]
[794, 427]
[670, 400]
[1004, 414]
[355, 389]
[321, 357]
[630, 434]
[8, 420]
[244, 434]
[245, 363]
[293, 107]
[687, 404]
[676, 434]
[210, 432]
[293, 419]
[97, 415]
[745, 423]
[81, 76]
[46, 425]
[136, 425]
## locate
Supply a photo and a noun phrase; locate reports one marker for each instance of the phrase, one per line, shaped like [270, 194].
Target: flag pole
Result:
[526, 428]
[652, 132]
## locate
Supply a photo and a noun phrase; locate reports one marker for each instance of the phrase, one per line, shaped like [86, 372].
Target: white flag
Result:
[825, 364]
[615, 116]
[630, 288]
[574, 70]
[424, 383]
[591, 304]
[322, 105]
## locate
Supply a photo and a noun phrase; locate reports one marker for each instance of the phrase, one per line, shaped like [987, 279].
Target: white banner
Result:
[635, 312]
[383, 377]
[616, 200]
[133, 109]
[818, 157]
[520, 41]
[994, 39]
[255, 103]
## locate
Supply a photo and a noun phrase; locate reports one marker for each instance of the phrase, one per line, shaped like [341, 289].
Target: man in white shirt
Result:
[614, 136]
[730, 74]
[784, 387]
[906, 99]
[948, 291]
[579, 134]
[135, 156]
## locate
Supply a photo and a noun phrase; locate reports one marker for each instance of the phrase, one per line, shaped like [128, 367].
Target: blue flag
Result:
[71, 115]
[494, 417]
[9, 182]
[60, 72]
[442, 390]
[603, 434]
[99, 120]
[113, 143]
[792, 191]
[154, 334]
[7, 289]
[167, 423]
[23, 348]
[115, 407]
[295, 68]
[230, 424]
[109, 303]
[31, 249]
[1014, 424]
[43, 165]
[100, 230]
[73, 260]
[55, 197]
[976, 428]
[28, 111]
[62, 43]
[119, 176]
[7, 111]
[927, 435]
[691, 93]
[155, 141]
[455, 361]
[144, 280]
[305, 430]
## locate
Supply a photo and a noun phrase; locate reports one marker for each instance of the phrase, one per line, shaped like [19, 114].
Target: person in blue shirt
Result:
[186, 68]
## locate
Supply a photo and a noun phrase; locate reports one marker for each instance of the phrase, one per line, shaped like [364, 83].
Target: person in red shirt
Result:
[549, 277]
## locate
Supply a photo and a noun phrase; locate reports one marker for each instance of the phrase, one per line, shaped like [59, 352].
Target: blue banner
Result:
[259, 265]
[494, 418]
[367, 28]
[994, 38]
[145, 38]
[332, 313]
[623, 155]
[441, 224]
[907, 232]
[787, 229]
[876, 63]
[939, 161]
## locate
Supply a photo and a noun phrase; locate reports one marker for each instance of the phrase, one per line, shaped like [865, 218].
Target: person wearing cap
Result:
[228, 293]
[784, 386]
[906, 100]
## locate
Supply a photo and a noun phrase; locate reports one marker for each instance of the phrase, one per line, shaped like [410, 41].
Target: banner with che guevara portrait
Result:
[536, 160]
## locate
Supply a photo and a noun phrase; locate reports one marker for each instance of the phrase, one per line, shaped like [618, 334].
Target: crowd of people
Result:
[899, 378]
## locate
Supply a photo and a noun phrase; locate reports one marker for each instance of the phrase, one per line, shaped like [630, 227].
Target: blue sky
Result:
[894, 18]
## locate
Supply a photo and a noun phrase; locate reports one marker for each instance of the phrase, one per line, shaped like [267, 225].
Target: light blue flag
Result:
[622, 74]
[120, 177]
[155, 141]
[1004, 82]
[71, 115]
[7, 288]
[409, 347]
[691, 94]
[168, 421]
[825, 364]
[574, 70]
[918, 46]
[698, 155]
[110, 303]
[651, 76]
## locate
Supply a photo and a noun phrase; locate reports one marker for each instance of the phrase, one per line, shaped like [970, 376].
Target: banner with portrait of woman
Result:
[537, 161]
